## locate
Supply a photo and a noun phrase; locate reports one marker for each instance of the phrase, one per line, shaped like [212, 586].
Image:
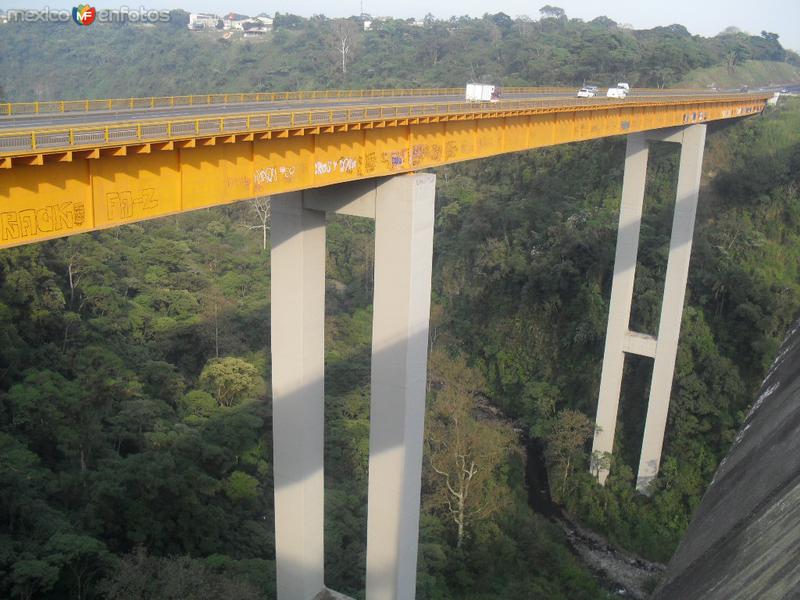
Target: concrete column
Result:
[403, 257]
[298, 330]
[630, 219]
[680, 249]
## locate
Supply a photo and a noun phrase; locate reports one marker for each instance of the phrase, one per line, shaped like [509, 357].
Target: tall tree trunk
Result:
[216, 328]
[460, 519]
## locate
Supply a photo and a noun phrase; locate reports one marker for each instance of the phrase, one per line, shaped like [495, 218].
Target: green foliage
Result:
[230, 379]
[306, 54]
[138, 577]
[197, 406]
[241, 487]
[31, 576]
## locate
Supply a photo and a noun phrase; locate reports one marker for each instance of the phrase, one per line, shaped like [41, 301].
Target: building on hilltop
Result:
[234, 21]
[203, 21]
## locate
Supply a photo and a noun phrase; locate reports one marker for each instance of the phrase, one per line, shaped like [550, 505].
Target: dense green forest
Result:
[135, 433]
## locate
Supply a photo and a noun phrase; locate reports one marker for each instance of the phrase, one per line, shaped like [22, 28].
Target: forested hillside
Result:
[135, 433]
[43, 62]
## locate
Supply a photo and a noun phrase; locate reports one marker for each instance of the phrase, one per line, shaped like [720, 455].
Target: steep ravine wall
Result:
[744, 541]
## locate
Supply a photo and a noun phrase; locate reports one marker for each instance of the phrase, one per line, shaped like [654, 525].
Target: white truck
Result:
[620, 91]
[479, 92]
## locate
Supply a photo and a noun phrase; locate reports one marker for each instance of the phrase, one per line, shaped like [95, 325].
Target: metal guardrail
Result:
[89, 136]
[110, 104]
[85, 106]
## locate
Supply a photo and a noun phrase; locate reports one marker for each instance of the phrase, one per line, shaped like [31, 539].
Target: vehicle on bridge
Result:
[587, 91]
[479, 92]
[620, 91]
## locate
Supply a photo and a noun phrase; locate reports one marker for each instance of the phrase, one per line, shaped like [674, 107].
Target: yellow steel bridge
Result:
[73, 166]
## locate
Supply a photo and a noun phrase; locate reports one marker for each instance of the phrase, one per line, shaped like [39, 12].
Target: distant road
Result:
[98, 117]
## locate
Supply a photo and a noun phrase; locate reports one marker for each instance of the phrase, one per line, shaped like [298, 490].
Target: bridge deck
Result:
[69, 170]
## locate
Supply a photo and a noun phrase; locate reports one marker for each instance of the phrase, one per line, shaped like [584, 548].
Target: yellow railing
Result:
[144, 131]
[110, 104]
[78, 106]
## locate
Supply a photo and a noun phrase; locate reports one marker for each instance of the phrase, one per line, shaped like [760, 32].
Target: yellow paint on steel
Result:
[98, 177]
[54, 139]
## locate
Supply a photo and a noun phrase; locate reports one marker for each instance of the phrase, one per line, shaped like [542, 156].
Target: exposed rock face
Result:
[744, 541]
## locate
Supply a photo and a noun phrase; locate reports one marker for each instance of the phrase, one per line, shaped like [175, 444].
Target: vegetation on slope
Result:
[44, 62]
[532, 237]
[752, 73]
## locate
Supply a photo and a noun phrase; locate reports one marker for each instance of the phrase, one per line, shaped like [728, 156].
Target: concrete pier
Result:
[619, 339]
[402, 207]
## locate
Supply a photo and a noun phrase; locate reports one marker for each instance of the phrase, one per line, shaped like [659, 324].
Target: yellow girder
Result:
[60, 181]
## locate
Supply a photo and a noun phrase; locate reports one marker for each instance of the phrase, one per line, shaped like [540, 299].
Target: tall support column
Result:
[298, 320]
[630, 220]
[619, 339]
[680, 250]
[403, 257]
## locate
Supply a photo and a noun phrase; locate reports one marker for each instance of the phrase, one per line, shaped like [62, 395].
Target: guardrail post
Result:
[36, 108]
[86, 105]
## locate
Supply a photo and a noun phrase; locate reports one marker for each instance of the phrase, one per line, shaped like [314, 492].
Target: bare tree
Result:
[345, 40]
[263, 210]
[465, 453]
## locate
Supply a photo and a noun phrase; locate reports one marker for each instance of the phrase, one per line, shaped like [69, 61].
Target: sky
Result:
[703, 17]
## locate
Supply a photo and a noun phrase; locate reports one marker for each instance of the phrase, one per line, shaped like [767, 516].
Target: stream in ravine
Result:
[621, 573]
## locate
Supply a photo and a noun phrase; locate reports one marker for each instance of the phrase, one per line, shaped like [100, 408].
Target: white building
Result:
[235, 21]
[203, 21]
[266, 22]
